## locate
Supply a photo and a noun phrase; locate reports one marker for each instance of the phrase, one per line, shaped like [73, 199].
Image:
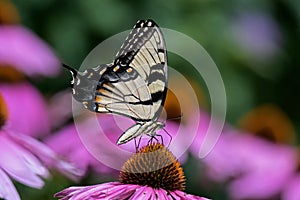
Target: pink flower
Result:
[116, 190]
[25, 102]
[87, 145]
[67, 143]
[23, 50]
[260, 168]
[152, 173]
[25, 159]
[20, 164]
[257, 34]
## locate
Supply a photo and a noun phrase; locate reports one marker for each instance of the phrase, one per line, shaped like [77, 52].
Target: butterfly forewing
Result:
[145, 51]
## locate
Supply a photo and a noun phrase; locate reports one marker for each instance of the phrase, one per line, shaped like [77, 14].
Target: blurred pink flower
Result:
[291, 190]
[87, 145]
[260, 169]
[116, 190]
[23, 50]
[25, 102]
[203, 125]
[258, 34]
[60, 108]
[67, 143]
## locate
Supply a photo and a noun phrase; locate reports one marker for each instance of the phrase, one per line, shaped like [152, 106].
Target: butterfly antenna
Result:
[176, 118]
[72, 70]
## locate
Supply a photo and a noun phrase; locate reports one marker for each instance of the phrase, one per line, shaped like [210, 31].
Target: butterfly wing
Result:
[124, 92]
[145, 51]
[134, 85]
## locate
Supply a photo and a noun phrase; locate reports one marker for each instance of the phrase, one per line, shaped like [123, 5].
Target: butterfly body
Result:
[133, 85]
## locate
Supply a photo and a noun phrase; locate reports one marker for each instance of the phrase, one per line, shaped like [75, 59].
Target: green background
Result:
[74, 28]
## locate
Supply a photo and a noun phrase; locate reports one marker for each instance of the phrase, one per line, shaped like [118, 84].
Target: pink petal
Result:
[116, 190]
[7, 189]
[24, 50]
[48, 156]
[67, 143]
[260, 168]
[291, 190]
[25, 102]
[143, 192]
[183, 195]
[20, 163]
[162, 194]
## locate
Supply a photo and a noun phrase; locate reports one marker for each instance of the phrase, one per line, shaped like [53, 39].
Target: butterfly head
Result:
[84, 85]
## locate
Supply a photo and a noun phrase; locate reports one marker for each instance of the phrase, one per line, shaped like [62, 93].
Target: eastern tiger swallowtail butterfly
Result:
[133, 85]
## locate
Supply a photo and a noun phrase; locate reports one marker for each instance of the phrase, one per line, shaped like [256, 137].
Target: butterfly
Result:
[133, 85]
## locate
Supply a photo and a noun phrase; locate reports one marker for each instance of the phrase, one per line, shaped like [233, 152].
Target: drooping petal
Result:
[20, 163]
[116, 190]
[46, 155]
[24, 50]
[7, 189]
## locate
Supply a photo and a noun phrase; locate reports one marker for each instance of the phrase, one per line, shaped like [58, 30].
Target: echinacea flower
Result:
[270, 122]
[257, 168]
[25, 159]
[152, 173]
[256, 160]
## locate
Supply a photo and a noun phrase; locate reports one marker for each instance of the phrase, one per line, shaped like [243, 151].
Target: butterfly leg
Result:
[153, 137]
[171, 138]
[161, 139]
[137, 145]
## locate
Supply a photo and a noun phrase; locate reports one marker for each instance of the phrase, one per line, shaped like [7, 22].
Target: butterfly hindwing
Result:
[109, 88]
[130, 97]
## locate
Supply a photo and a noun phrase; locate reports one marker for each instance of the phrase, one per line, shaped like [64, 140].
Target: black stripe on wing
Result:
[145, 51]
[123, 92]
[143, 48]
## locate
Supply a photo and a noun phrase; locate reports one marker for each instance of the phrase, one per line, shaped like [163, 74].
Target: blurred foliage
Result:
[74, 28]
